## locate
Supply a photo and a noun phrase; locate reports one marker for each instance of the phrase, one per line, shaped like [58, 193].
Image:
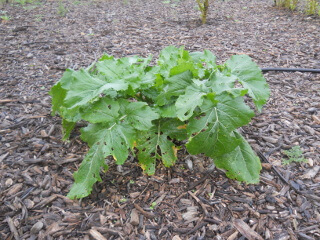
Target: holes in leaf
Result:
[109, 106]
[112, 149]
[104, 143]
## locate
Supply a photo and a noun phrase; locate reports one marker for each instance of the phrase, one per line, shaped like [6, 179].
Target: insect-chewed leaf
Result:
[154, 144]
[242, 163]
[115, 138]
[250, 76]
[88, 173]
[213, 132]
[174, 128]
[104, 110]
[138, 114]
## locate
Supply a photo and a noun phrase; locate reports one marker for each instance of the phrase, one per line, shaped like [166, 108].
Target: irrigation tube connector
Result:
[290, 70]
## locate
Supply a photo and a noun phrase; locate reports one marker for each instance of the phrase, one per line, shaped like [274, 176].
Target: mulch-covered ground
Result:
[192, 200]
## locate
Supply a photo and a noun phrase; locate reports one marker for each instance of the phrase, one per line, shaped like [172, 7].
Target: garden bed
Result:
[191, 200]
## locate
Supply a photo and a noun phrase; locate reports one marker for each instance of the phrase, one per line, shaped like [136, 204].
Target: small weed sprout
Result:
[289, 4]
[123, 200]
[22, 2]
[5, 18]
[153, 205]
[312, 7]
[62, 11]
[295, 154]
[38, 18]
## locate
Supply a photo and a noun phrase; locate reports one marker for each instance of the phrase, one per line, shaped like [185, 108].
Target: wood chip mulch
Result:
[193, 199]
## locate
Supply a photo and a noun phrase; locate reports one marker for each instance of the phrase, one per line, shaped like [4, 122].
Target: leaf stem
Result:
[123, 117]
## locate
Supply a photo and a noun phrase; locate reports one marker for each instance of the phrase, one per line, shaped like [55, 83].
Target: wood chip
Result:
[13, 228]
[145, 213]
[96, 235]
[46, 201]
[14, 189]
[245, 230]
[134, 217]
[36, 227]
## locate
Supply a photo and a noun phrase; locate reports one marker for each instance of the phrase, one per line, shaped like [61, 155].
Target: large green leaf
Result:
[219, 82]
[86, 88]
[242, 163]
[138, 114]
[102, 111]
[174, 86]
[205, 58]
[184, 65]
[174, 61]
[187, 102]
[132, 71]
[88, 173]
[250, 76]
[212, 133]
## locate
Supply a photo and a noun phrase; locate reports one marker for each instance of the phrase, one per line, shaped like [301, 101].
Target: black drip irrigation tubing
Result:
[290, 70]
